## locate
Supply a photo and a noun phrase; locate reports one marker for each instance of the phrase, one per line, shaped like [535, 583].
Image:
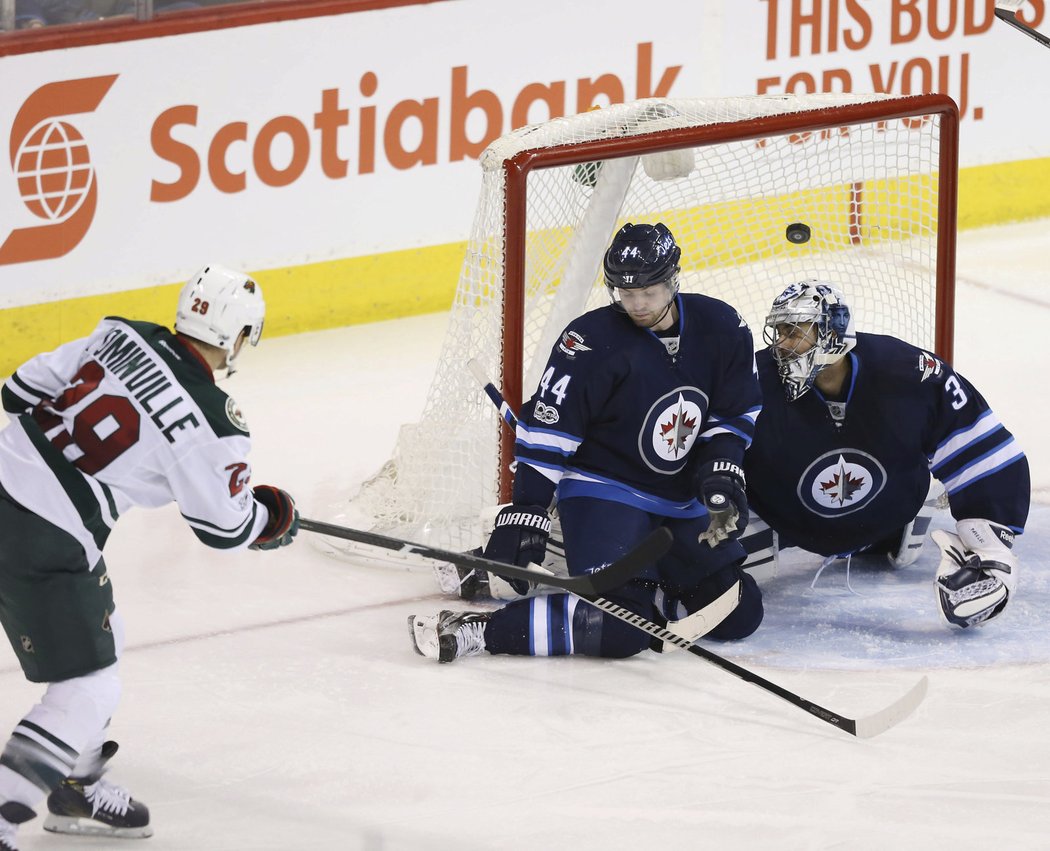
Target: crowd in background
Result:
[30, 14]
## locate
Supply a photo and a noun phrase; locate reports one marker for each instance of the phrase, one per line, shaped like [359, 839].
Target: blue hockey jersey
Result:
[834, 488]
[624, 415]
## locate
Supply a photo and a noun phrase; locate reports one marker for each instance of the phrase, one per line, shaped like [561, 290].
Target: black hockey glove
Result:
[520, 538]
[720, 484]
[283, 524]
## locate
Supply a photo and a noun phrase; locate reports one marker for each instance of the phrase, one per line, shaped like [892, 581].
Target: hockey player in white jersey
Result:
[130, 415]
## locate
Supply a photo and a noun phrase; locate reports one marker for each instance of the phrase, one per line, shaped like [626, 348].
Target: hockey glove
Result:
[977, 574]
[520, 538]
[283, 524]
[720, 484]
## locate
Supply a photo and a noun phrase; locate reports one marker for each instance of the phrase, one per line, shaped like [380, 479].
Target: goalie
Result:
[641, 419]
[852, 427]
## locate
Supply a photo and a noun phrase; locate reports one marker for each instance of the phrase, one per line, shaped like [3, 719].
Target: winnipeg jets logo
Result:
[571, 343]
[928, 365]
[843, 485]
[678, 431]
[841, 482]
[670, 429]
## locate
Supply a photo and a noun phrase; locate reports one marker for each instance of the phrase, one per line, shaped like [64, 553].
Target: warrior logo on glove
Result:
[720, 485]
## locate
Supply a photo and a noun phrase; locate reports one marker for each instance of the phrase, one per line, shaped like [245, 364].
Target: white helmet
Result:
[811, 303]
[216, 305]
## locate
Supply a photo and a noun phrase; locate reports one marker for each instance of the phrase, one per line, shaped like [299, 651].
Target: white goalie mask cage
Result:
[819, 310]
[216, 305]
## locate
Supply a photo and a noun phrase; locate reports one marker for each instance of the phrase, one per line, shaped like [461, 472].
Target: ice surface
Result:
[273, 701]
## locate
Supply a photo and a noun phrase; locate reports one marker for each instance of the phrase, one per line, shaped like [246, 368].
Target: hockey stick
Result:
[862, 728]
[680, 633]
[614, 575]
[691, 627]
[1007, 11]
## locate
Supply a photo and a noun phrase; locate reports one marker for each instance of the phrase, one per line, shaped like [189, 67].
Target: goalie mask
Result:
[641, 256]
[217, 305]
[809, 327]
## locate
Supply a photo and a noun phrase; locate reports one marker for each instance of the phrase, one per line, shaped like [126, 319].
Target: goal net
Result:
[871, 177]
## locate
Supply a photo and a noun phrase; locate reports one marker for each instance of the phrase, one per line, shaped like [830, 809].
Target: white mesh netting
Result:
[868, 192]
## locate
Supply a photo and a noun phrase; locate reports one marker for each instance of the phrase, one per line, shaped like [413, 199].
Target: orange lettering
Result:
[261, 151]
[901, 32]
[644, 83]
[803, 78]
[836, 75]
[366, 141]
[765, 84]
[426, 114]
[1038, 10]
[328, 121]
[552, 94]
[925, 76]
[224, 179]
[771, 30]
[861, 16]
[588, 91]
[464, 103]
[180, 155]
[799, 20]
[971, 26]
[933, 26]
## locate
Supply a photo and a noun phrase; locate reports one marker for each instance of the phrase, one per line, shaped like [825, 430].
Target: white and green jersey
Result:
[127, 416]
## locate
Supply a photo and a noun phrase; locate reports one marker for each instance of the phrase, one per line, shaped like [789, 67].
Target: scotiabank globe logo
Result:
[52, 169]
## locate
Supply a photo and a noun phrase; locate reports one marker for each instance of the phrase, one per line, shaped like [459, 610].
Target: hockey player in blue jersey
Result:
[852, 427]
[641, 419]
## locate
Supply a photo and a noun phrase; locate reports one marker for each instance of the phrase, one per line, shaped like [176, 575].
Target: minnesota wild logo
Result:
[234, 415]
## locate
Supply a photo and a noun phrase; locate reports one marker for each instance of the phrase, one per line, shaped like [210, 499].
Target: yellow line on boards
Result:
[349, 291]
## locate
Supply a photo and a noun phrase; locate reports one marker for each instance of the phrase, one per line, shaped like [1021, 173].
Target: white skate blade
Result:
[91, 827]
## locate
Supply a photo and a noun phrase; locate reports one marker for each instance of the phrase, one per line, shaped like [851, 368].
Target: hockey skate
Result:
[12, 814]
[92, 806]
[447, 635]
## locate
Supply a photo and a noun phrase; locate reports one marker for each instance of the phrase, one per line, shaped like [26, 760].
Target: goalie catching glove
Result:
[720, 484]
[283, 523]
[977, 574]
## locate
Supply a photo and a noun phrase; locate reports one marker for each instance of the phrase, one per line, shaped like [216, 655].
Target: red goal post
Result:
[873, 177]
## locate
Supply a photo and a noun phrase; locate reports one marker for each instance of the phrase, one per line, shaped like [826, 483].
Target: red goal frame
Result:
[517, 170]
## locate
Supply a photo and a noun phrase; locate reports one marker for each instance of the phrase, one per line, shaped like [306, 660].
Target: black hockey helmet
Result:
[642, 255]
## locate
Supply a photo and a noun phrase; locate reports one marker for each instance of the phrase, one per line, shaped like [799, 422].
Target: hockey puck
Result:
[798, 233]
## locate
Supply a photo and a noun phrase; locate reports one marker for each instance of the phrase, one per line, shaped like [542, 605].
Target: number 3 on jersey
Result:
[558, 390]
[959, 397]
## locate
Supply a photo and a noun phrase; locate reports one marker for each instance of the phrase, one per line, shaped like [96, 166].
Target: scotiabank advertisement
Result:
[300, 142]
